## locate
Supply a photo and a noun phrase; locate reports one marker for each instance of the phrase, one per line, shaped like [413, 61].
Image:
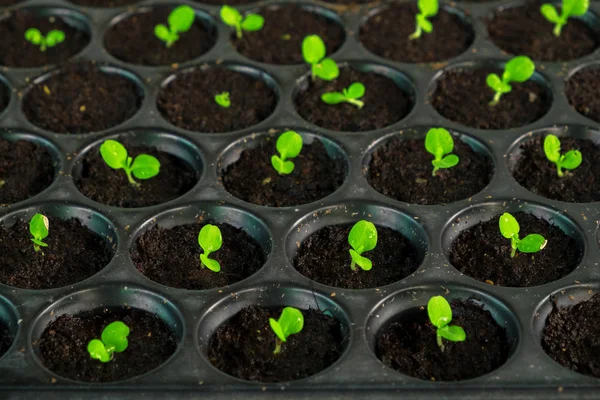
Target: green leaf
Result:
[162, 32]
[439, 311]
[282, 167]
[572, 159]
[446, 162]
[363, 262]
[289, 145]
[494, 82]
[552, 148]
[181, 19]
[210, 238]
[55, 37]
[277, 329]
[115, 335]
[291, 322]
[223, 99]
[97, 351]
[230, 16]
[327, 70]
[355, 90]
[532, 243]
[34, 36]
[333, 98]
[114, 154]
[549, 12]
[439, 142]
[575, 8]
[38, 227]
[519, 69]
[363, 235]
[313, 49]
[209, 263]
[424, 23]
[509, 226]
[145, 166]
[428, 8]
[253, 22]
[452, 333]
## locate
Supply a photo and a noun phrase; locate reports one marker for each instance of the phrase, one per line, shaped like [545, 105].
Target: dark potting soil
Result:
[387, 35]
[104, 3]
[81, 99]
[4, 96]
[525, 31]
[482, 253]
[74, 253]
[286, 26]
[189, 100]
[385, 103]
[462, 96]
[25, 170]
[572, 336]
[252, 177]
[7, 3]
[243, 346]
[133, 40]
[401, 169]
[15, 51]
[171, 257]
[6, 338]
[581, 91]
[324, 257]
[62, 346]
[227, 2]
[409, 344]
[536, 173]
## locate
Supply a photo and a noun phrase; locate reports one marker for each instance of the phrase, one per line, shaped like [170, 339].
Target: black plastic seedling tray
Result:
[195, 315]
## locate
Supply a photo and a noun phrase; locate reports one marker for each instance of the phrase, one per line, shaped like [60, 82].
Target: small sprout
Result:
[233, 18]
[210, 240]
[427, 9]
[38, 227]
[518, 69]
[289, 323]
[2, 183]
[570, 160]
[362, 237]
[180, 20]
[509, 227]
[53, 38]
[439, 142]
[350, 95]
[440, 315]
[313, 52]
[115, 156]
[114, 340]
[569, 8]
[289, 145]
[223, 100]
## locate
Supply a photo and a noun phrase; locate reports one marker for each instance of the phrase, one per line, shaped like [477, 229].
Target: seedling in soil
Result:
[518, 69]
[439, 142]
[569, 8]
[289, 145]
[223, 100]
[115, 156]
[509, 227]
[114, 340]
[38, 227]
[570, 160]
[440, 315]
[210, 240]
[233, 18]
[53, 38]
[289, 323]
[350, 95]
[362, 237]
[427, 9]
[180, 20]
[2, 183]
[313, 52]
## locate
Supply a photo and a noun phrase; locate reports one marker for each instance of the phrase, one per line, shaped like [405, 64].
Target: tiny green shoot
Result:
[570, 160]
[289, 145]
[233, 18]
[289, 323]
[313, 52]
[180, 20]
[210, 240]
[2, 183]
[53, 38]
[518, 69]
[427, 9]
[114, 340]
[509, 227]
[569, 8]
[223, 99]
[362, 237]
[439, 142]
[440, 315]
[115, 156]
[350, 95]
[38, 227]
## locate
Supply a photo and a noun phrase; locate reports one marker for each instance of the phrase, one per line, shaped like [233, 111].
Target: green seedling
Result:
[223, 100]
[115, 156]
[440, 315]
[439, 142]
[180, 20]
[427, 9]
[509, 227]
[289, 323]
[569, 8]
[233, 18]
[362, 237]
[2, 183]
[38, 227]
[570, 160]
[53, 38]
[350, 95]
[114, 340]
[289, 145]
[518, 69]
[313, 52]
[210, 240]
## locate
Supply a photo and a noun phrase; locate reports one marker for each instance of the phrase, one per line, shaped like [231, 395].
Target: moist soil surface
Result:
[581, 91]
[103, 184]
[133, 40]
[62, 347]
[409, 345]
[74, 253]
[286, 26]
[384, 102]
[387, 35]
[6, 3]
[482, 253]
[536, 173]
[81, 99]
[572, 336]
[525, 31]
[462, 96]
[401, 169]
[252, 177]
[243, 346]
[104, 3]
[6, 338]
[15, 51]
[171, 257]
[189, 100]
[25, 170]
[324, 257]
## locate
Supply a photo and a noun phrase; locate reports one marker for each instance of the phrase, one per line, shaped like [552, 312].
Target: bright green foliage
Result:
[439, 142]
[570, 160]
[115, 156]
[509, 227]
[362, 237]
[114, 340]
[289, 145]
[223, 100]
[180, 20]
[569, 8]
[518, 69]
[289, 323]
[350, 95]
[427, 9]
[233, 18]
[313, 52]
[38, 227]
[53, 38]
[440, 315]
[210, 240]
